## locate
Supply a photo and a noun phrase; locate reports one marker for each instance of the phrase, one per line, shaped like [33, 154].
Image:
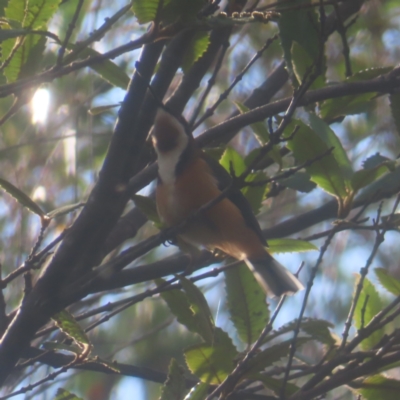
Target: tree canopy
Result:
[298, 100]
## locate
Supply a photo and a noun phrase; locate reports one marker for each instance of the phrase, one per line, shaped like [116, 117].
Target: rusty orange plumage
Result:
[187, 180]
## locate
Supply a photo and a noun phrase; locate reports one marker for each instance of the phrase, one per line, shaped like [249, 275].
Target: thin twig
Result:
[210, 111]
[68, 34]
[210, 83]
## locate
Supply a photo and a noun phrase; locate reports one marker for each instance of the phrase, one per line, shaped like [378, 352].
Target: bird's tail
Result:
[274, 278]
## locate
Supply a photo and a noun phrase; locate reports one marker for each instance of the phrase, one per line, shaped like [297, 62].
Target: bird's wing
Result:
[235, 196]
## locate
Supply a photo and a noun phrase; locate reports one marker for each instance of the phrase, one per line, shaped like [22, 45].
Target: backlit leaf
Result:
[368, 305]
[246, 303]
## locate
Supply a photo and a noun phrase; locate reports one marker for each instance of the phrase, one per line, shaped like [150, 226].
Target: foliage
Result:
[297, 100]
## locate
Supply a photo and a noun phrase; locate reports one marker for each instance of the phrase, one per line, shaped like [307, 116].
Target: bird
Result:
[188, 179]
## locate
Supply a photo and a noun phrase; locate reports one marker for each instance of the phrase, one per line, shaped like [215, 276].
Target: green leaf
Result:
[102, 109]
[365, 177]
[73, 348]
[394, 100]
[369, 73]
[34, 14]
[254, 194]
[198, 392]
[174, 387]
[348, 105]
[107, 69]
[317, 328]
[246, 303]
[199, 306]
[196, 49]
[148, 207]
[303, 65]
[378, 387]
[34, 60]
[325, 172]
[68, 325]
[297, 25]
[213, 362]
[276, 384]
[325, 132]
[185, 11]
[290, 246]
[375, 160]
[63, 394]
[12, 33]
[387, 184]
[232, 159]
[269, 356]
[261, 133]
[145, 10]
[21, 197]
[390, 283]
[64, 210]
[299, 181]
[188, 315]
[368, 305]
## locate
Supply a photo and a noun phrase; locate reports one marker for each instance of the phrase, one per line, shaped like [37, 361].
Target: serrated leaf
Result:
[199, 306]
[232, 159]
[302, 65]
[299, 181]
[365, 177]
[34, 14]
[269, 356]
[34, 60]
[174, 387]
[368, 305]
[311, 326]
[107, 69]
[259, 128]
[68, 325]
[180, 305]
[212, 363]
[254, 194]
[297, 25]
[148, 207]
[378, 387]
[290, 246]
[246, 303]
[145, 10]
[64, 210]
[390, 283]
[394, 100]
[198, 392]
[388, 183]
[325, 132]
[375, 160]
[349, 105]
[63, 394]
[325, 172]
[21, 197]
[198, 46]
[318, 329]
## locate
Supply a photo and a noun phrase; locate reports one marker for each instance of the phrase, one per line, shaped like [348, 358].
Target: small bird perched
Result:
[189, 179]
